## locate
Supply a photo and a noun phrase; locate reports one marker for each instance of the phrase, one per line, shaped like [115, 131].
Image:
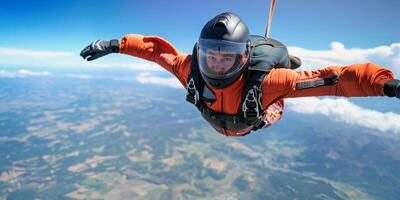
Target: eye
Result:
[212, 58]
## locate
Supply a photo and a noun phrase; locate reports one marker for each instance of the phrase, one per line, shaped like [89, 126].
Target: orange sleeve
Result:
[157, 49]
[355, 80]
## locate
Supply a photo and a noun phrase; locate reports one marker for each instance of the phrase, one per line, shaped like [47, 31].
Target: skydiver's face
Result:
[219, 61]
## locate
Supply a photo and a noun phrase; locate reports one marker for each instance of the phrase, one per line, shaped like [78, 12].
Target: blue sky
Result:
[313, 24]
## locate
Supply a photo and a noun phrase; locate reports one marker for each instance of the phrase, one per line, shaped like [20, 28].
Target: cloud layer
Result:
[344, 111]
[388, 56]
[147, 78]
[35, 58]
[22, 73]
[32, 53]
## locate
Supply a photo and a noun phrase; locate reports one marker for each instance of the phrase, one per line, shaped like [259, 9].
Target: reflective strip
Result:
[317, 83]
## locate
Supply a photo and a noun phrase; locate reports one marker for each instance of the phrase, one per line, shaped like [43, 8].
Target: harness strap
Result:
[195, 83]
[221, 116]
[252, 106]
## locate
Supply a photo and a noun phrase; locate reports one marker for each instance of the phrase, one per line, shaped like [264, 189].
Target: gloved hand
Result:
[100, 48]
[391, 88]
[398, 90]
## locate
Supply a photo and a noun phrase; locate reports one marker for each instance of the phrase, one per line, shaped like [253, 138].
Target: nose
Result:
[219, 66]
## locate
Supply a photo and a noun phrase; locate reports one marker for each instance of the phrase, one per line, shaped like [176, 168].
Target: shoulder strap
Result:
[195, 82]
[251, 108]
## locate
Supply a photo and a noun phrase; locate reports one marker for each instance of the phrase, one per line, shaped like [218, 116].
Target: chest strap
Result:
[249, 114]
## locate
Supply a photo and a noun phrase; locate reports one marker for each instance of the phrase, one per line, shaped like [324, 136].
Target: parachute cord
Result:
[271, 12]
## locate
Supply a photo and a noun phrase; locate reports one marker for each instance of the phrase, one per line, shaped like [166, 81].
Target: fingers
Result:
[86, 52]
[96, 55]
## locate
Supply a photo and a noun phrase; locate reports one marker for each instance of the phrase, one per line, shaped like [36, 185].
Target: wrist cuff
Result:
[114, 44]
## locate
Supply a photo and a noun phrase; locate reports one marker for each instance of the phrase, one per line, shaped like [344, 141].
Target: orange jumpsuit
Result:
[365, 79]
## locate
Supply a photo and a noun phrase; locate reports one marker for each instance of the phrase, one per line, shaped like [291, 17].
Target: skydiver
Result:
[238, 81]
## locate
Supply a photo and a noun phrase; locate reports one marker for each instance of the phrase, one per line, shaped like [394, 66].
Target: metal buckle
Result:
[245, 109]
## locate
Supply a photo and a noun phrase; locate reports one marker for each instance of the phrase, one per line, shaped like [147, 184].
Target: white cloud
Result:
[147, 78]
[32, 53]
[133, 65]
[124, 78]
[27, 57]
[30, 73]
[388, 56]
[341, 109]
[81, 76]
[344, 111]
[22, 73]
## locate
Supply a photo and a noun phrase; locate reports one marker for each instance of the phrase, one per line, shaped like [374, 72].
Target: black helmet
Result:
[223, 50]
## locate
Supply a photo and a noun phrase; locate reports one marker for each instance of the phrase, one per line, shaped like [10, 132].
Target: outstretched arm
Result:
[151, 48]
[351, 81]
[158, 50]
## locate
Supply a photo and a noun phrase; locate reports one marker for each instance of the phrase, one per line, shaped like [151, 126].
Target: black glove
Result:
[391, 88]
[100, 48]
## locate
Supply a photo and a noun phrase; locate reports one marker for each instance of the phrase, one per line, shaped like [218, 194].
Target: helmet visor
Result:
[221, 59]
